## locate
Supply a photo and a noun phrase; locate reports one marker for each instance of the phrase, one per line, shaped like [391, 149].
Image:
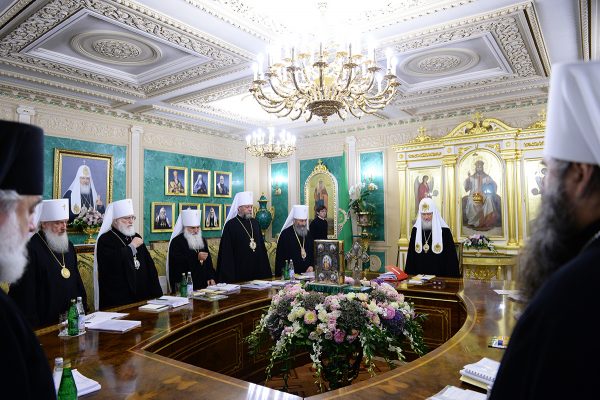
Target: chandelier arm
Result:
[302, 92]
[283, 96]
[259, 95]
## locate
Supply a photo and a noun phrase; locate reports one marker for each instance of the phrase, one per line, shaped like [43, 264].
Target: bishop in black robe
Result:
[237, 262]
[430, 263]
[182, 259]
[289, 247]
[118, 279]
[87, 201]
[318, 228]
[43, 293]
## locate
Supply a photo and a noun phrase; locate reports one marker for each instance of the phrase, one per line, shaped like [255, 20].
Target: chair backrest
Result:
[459, 253]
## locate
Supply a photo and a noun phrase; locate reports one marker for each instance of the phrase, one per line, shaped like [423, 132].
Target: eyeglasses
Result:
[128, 218]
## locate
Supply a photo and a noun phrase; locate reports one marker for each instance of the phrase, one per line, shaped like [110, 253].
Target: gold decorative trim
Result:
[321, 168]
[425, 155]
[421, 137]
[534, 144]
[478, 126]
[494, 146]
[540, 123]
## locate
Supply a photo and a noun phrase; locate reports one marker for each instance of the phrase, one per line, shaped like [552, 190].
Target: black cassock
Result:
[554, 344]
[26, 374]
[42, 293]
[443, 264]
[119, 282]
[87, 201]
[318, 228]
[183, 259]
[237, 262]
[288, 248]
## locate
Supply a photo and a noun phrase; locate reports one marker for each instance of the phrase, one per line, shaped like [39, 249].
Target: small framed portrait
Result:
[226, 209]
[211, 217]
[186, 206]
[200, 182]
[329, 261]
[222, 184]
[163, 214]
[175, 181]
[86, 179]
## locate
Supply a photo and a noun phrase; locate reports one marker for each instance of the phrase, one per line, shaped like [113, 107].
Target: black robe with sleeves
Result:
[288, 248]
[443, 264]
[236, 261]
[42, 293]
[183, 259]
[318, 227]
[119, 282]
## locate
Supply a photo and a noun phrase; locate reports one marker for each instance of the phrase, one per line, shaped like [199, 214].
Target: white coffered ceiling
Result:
[189, 61]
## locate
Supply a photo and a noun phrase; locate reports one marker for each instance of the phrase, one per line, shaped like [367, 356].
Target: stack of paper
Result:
[256, 285]
[100, 316]
[420, 279]
[224, 287]
[154, 307]
[114, 325]
[454, 393]
[84, 384]
[279, 283]
[171, 301]
[481, 374]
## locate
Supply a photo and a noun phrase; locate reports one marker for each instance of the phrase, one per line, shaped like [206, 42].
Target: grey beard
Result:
[195, 242]
[124, 229]
[57, 243]
[300, 231]
[426, 225]
[550, 244]
[13, 250]
[246, 215]
[85, 189]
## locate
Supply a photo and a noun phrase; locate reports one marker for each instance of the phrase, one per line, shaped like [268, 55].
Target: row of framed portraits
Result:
[176, 182]
[164, 218]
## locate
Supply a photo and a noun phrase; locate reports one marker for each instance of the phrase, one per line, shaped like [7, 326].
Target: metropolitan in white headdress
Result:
[82, 193]
[295, 242]
[124, 272]
[188, 252]
[431, 249]
[242, 251]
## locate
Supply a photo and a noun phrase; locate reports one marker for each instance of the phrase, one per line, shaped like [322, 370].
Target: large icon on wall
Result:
[200, 182]
[86, 179]
[211, 217]
[481, 193]
[321, 188]
[222, 184]
[175, 181]
[426, 182]
[186, 206]
[163, 215]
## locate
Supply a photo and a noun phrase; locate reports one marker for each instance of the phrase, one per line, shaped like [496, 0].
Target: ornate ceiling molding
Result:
[439, 62]
[14, 10]
[191, 145]
[116, 48]
[215, 93]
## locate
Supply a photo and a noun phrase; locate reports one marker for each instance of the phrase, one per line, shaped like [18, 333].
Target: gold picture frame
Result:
[183, 206]
[175, 187]
[159, 225]
[329, 261]
[199, 189]
[327, 196]
[421, 180]
[226, 208]
[222, 188]
[66, 165]
[208, 223]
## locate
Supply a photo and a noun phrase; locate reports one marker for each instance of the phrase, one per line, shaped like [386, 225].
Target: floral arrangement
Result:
[358, 197]
[479, 242]
[338, 331]
[87, 218]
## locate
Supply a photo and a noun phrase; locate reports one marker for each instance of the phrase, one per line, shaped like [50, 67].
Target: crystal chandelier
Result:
[323, 82]
[258, 146]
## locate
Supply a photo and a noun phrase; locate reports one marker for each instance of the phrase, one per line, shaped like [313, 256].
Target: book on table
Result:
[256, 285]
[224, 287]
[154, 307]
[100, 316]
[481, 374]
[171, 301]
[454, 393]
[420, 279]
[84, 384]
[114, 325]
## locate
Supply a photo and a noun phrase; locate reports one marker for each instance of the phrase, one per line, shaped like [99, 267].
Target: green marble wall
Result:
[119, 154]
[333, 164]
[154, 186]
[279, 178]
[371, 166]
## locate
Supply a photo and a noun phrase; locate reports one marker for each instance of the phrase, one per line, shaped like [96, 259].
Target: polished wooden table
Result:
[198, 351]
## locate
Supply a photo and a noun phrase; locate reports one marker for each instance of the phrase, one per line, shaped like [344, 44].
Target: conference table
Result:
[198, 351]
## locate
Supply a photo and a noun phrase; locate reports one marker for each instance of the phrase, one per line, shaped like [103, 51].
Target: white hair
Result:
[13, 246]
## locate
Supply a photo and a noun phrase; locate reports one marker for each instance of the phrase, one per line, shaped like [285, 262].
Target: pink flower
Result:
[338, 336]
[389, 312]
[310, 317]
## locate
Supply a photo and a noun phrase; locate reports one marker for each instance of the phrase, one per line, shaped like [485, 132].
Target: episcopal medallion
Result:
[65, 272]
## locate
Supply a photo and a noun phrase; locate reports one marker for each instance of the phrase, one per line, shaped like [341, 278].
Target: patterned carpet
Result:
[302, 382]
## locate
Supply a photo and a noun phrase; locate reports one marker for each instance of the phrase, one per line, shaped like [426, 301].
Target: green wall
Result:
[333, 164]
[279, 178]
[154, 186]
[119, 154]
[371, 166]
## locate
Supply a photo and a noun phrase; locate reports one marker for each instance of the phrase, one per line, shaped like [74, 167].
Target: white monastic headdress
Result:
[240, 199]
[54, 210]
[84, 171]
[189, 217]
[298, 211]
[116, 209]
[437, 223]
[573, 123]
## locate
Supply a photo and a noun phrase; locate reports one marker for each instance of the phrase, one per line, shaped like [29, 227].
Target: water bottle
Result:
[292, 278]
[73, 319]
[183, 286]
[67, 389]
[57, 372]
[190, 286]
[286, 271]
[80, 315]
